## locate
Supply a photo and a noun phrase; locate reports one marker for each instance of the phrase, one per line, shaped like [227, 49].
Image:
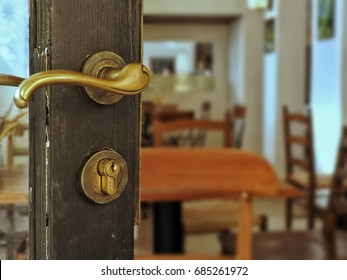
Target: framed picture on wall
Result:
[269, 35]
[203, 57]
[326, 19]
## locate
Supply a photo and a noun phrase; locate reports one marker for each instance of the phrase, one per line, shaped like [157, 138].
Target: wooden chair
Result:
[166, 108]
[300, 167]
[160, 128]
[163, 113]
[327, 243]
[168, 113]
[12, 128]
[187, 174]
[12, 149]
[199, 138]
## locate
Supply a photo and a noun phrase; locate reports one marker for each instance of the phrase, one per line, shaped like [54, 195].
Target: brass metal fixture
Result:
[108, 171]
[104, 176]
[104, 75]
[8, 80]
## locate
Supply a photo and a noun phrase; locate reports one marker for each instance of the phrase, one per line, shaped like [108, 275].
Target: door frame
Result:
[66, 128]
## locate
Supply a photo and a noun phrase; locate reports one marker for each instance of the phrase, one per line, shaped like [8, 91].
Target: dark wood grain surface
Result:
[76, 128]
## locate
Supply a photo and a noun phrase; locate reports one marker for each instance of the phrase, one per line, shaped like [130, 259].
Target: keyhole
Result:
[112, 170]
[104, 176]
[108, 171]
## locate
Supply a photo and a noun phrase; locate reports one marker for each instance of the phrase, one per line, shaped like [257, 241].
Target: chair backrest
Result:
[198, 139]
[14, 129]
[14, 150]
[170, 174]
[303, 159]
[167, 114]
[299, 154]
[166, 108]
[188, 126]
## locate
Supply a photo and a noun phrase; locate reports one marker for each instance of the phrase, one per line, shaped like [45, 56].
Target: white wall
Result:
[245, 74]
[236, 61]
[328, 87]
[219, 98]
[237, 55]
[217, 34]
[253, 79]
[237, 70]
[284, 75]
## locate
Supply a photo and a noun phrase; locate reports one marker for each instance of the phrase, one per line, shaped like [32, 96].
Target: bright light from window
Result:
[257, 4]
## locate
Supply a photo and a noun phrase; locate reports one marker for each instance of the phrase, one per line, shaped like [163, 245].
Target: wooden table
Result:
[170, 177]
[166, 240]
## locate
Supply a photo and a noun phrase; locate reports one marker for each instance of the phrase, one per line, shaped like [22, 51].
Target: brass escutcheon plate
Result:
[90, 177]
[94, 65]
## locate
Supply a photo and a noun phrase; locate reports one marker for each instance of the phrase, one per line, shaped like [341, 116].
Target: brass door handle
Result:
[105, 77]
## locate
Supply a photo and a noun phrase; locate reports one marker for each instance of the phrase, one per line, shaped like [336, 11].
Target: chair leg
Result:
[168, 231]
[21, 250]
[311, 215]
[10, 248]
[330, 246]
[144, 210]
[227, 240]
[244, 234]
[329, 235]
[289, 213]
[264, 225]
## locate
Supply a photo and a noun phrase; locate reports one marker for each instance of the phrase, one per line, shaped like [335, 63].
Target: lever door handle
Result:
[104, 75]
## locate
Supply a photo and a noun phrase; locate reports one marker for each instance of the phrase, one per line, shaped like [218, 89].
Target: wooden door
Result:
[67, 127]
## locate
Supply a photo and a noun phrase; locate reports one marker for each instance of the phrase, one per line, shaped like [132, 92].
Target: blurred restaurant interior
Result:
[262, 80]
